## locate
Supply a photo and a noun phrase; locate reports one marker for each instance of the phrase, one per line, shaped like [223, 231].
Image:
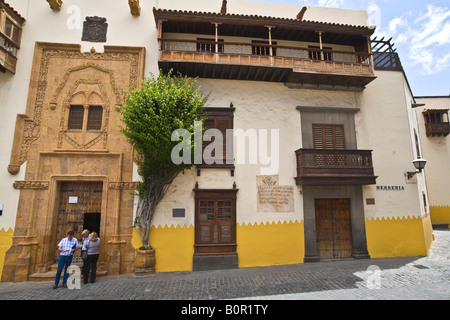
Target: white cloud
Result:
[395, 23]
[427, 38]
[331, 3]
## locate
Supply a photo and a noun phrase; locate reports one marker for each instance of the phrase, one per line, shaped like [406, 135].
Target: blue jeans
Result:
[64, 262]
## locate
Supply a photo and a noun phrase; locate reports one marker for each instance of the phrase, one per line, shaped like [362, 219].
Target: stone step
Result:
[51, 274]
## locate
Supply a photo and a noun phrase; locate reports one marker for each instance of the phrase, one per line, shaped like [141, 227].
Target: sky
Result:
[420, 30]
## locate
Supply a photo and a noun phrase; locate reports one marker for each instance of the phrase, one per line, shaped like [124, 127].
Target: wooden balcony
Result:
[295, 66]
[8, 54]
[436, 122]
[437, 129]
[334, 167]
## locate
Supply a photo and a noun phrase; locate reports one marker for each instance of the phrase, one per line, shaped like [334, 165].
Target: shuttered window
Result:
[220, 119]
[95, 117]
[76, 116]
[328, 137]
[79, 121]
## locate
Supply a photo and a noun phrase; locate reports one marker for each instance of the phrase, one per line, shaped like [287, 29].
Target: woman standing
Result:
[93, 250]
[84, 240]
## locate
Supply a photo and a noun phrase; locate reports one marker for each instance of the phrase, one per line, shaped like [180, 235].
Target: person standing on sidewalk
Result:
[66, 247]
[85, 236]
[93, 251]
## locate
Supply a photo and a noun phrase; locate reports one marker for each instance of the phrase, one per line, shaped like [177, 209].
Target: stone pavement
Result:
[378, 279]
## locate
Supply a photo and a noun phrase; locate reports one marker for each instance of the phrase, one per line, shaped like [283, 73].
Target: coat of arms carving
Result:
[94, 29]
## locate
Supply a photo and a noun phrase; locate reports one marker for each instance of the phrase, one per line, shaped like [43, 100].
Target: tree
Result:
[152, 115]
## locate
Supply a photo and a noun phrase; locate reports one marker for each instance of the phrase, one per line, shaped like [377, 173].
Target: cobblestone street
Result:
[378, 279]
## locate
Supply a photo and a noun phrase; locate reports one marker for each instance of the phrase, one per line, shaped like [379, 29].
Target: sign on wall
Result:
[271, 197]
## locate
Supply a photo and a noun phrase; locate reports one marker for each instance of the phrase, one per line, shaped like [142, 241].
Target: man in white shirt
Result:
[66, 247]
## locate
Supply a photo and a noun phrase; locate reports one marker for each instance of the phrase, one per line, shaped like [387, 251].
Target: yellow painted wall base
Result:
[440, 214]
[399, 237]
[5, 244]
[174, 247]
[258, 245]
[270, 244]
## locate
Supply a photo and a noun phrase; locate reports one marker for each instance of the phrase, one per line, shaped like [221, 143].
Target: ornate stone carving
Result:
[123, 185]
[13, 169]
[29, 129]
[135, 8]
[34, 185]
[96, 88]
[55, 4]
[94, 29]
[92, 79]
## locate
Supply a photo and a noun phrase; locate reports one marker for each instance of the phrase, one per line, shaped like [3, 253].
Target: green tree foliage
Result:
[151, 114]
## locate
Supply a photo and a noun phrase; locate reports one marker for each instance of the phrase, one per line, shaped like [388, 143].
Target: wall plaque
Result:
[178, 213]
[94, 29]
[272, 197]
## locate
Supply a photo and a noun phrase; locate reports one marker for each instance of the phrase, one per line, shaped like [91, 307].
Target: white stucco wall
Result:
[436, 150]
[386, 125]
[380, 122]
[278, 10]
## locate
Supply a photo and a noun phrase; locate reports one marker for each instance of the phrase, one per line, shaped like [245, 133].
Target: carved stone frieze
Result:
[34, 185]
[123, 185]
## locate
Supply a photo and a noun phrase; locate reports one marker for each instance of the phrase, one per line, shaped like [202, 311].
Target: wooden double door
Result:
[80, 205]
[215, 222]
[333, 229]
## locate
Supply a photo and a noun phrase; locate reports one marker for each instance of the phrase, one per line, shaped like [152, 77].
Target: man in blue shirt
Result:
[66, 247]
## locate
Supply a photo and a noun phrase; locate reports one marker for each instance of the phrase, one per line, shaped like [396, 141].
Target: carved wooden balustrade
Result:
[257, 54]
[437, 129]
[334, 167]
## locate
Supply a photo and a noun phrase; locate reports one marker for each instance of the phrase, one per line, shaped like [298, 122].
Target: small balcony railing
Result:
[300, 59]
[8, 53]
[334, 167]
[437, 129]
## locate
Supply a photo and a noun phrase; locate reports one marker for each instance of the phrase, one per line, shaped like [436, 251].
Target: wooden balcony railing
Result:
[300, 59]
[334, 167]
[437, 129]
[8, 53]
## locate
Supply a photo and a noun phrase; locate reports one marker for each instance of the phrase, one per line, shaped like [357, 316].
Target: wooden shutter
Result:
[222, 124]
[76, 115]
[95, 118]
[329, 137]
[220, 120]
[215, 222]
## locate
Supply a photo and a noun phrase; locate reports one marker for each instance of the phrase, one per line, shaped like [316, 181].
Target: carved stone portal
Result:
[51, 154]
[94, 29]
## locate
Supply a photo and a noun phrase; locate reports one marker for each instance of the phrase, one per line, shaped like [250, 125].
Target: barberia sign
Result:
[391, 188]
